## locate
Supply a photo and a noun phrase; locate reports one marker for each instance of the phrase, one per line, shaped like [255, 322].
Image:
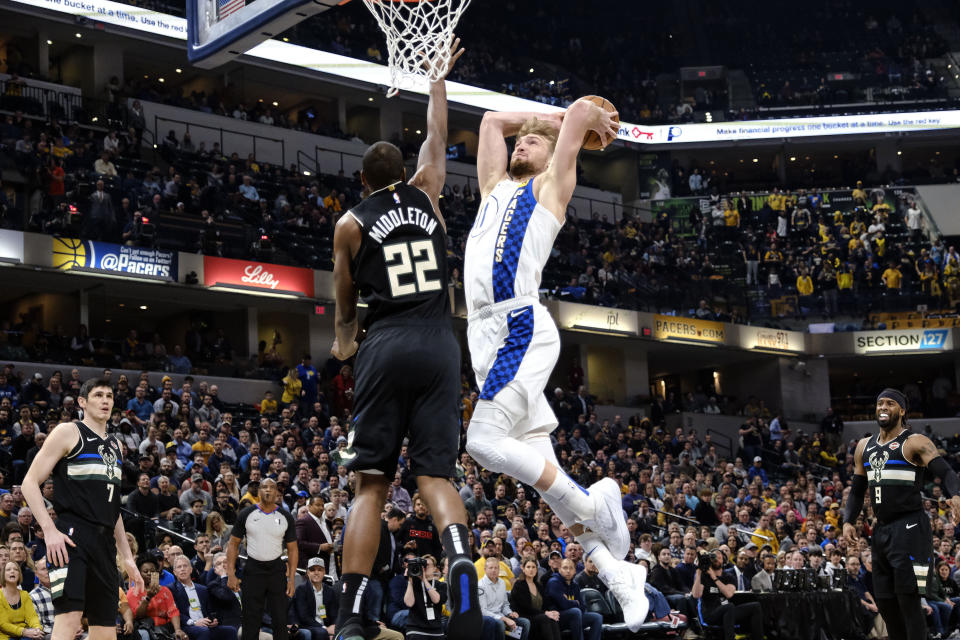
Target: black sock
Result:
[351, 598]
[456, 540]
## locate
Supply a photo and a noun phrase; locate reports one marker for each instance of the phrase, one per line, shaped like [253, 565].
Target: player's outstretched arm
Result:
[57, 445]
[492, 149]
[558, 182]
[432, 162]
[346, 243]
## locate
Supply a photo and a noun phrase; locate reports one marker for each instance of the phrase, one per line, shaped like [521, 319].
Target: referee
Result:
[267, 528]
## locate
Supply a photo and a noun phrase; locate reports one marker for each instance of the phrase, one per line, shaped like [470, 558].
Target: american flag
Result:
[226, 7]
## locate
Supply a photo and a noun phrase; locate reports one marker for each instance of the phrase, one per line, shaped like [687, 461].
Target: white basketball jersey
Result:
[509, 244]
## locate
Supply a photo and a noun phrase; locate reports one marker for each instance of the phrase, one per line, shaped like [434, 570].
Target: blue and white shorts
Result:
[516, 343]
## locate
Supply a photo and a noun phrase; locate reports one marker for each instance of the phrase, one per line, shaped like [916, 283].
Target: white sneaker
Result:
[609, 522]
[626, 582]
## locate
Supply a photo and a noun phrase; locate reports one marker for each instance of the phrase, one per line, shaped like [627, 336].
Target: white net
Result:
[417, 31]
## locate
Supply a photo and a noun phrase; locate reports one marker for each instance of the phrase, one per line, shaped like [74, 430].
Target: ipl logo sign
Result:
[877, 462]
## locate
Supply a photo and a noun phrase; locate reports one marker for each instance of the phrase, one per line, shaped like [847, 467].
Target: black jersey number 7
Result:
[406, 259]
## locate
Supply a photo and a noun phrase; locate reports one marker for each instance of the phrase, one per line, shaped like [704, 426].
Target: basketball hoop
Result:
[417, 30]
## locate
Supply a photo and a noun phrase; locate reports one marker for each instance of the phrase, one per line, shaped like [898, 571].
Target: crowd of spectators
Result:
[191, 462]
[870, 253]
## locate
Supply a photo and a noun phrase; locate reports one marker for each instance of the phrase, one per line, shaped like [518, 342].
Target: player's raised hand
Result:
[455, 52]
[607, 126]
[343, 353]
[57, 542]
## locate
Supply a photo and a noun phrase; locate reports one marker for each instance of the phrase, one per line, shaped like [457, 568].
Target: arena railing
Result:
[221, 135]
[725, 445]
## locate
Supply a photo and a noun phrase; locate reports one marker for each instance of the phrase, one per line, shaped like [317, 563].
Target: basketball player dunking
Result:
[892, 464]
[391, 249]
[513, 342]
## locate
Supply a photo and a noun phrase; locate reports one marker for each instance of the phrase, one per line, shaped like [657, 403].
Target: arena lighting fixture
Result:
[370, 99]
[143, 307]
[116, 275]
[593, 329]
[756, 159]
[793, 158]
[49, 42]
[306, 173]
[286, 39]
[418, 132]
[79, 35]
[531, 69]
[256, 291]
[275, 103]
[899, 153]
[178, 70]
[161, 80]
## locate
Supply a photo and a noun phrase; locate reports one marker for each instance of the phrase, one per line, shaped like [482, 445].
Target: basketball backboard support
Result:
[219, 30]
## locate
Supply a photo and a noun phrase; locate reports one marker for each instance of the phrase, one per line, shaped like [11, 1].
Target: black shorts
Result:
[407, 385]
[902, 555]
[90, 581]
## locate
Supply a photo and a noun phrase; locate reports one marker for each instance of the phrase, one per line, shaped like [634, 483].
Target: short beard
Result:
[522, 169]
[894, 421]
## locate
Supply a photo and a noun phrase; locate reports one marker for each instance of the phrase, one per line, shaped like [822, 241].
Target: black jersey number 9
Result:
[410, 258]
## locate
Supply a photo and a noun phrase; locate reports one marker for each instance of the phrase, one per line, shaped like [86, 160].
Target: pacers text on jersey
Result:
[397, 217]
[505, 225]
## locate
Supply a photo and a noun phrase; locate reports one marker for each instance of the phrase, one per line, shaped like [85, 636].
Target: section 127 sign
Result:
[70, 253]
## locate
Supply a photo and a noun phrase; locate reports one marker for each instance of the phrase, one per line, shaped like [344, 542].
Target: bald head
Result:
[382, 165]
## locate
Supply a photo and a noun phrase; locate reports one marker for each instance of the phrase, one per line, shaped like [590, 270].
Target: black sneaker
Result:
[466, 621]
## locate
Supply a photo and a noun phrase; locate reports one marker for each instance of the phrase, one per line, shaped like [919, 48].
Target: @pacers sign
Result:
[257, 275]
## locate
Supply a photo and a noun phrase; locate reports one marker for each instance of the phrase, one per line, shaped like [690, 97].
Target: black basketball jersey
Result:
[86, 482]
[895, 483]
[401, 267]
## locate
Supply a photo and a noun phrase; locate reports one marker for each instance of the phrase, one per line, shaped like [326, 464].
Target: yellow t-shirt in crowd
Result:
[805, 285]
[892, 277]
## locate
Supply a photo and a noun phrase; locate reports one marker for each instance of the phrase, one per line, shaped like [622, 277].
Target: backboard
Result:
[219, 30]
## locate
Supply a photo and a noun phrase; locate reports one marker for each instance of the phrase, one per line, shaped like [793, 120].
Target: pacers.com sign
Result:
[904, 341]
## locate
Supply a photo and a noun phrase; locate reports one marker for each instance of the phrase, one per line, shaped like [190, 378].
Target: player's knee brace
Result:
[488, 428]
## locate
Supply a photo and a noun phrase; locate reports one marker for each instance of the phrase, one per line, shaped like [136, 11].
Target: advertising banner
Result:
[70, 253]
[592, 318]
[687, 329]
[258, 275]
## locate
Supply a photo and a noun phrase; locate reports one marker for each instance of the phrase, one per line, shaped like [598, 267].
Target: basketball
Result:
[591, 141]
[68, 253]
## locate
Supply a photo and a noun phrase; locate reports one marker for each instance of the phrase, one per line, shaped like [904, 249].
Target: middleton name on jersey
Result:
[400, 216]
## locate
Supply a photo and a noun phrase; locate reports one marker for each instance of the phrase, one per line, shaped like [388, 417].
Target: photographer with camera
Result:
[425, 597]
[713, 589]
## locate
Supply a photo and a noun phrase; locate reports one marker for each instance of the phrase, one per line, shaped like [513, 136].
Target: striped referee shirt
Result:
[267, 533]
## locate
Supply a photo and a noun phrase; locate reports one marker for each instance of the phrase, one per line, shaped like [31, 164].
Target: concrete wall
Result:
[942, 203]
[804, 390]
[231, 389]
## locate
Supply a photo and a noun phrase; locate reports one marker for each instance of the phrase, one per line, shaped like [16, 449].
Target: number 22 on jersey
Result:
[404, 259]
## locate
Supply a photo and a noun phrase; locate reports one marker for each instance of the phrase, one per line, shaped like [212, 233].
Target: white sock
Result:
[594, 549]
[569, 499]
